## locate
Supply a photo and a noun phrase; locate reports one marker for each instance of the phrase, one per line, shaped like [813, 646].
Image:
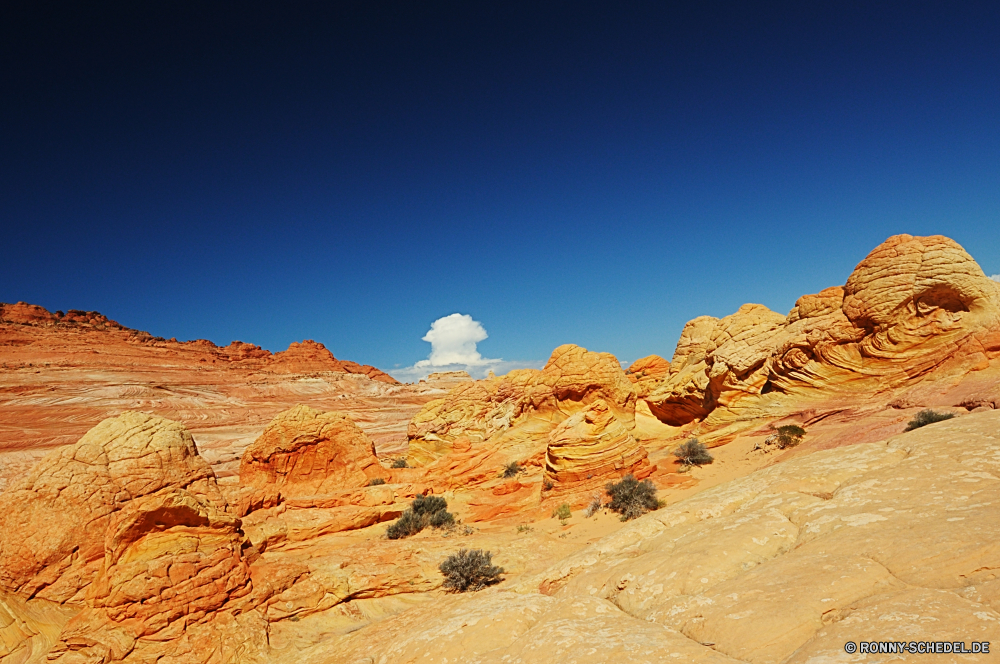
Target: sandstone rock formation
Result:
[526, 401]
[647, 373]
[589, 447]
[53, 523]
[126, 546]
[883, 541]
[915, 308]
[61, 373]
[120, 548]
[306, 452]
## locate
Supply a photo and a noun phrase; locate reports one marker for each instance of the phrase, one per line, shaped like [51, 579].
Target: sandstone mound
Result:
[647, 373]
[589, 448]
[916, 308]
[527, 399]
[306, 452]
[53, 523]
[311, 356]
[170, 560]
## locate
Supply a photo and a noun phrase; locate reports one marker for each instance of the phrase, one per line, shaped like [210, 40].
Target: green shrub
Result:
[470, 570]
[376, 481]
[406, 525]
[789, 435]
[423, 511]
[563, 512]
[512, 469]
[693, 453]
[399, 463]
[441, 519]
[927, 416]
[631, 498]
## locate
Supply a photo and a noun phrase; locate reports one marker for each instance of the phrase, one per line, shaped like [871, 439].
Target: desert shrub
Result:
[789, 435]
[428, 505]
[563, 512]
[399, 463]
[469, 570]
[512, 469]
[524, 528]
[595, 505]
[547, 485]
[423, 511]
[927, 416]
[631, 498]
[376, 481]
[693, 453]
[441, 519]
[406, 525]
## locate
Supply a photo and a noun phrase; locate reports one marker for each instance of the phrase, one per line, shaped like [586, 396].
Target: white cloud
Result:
[453, 342]
[995, 277]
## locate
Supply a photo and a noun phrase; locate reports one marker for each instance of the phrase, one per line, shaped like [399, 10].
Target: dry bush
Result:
[512, 469]
[631, 498]
[693, 453]
[789, 435]
[424, 511]
[470, 570]
[927, 416]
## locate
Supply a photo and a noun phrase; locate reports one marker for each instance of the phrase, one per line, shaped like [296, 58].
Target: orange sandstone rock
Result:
[915, 315]
[526, 401]
[590, 447]
[53, 523]
[306, 452]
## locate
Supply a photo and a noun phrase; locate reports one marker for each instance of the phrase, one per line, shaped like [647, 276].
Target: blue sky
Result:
[573, 172]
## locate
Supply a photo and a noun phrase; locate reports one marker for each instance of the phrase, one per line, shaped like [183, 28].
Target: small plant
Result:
[927, 416]
[512, 469]
[423, 511]
[632, 498]
[789, 435]
[563, 512]
[524, 528]
[595, 505]
[470, 570]
[399, 463]
[693, 453]
[377, 481]
[547, 485]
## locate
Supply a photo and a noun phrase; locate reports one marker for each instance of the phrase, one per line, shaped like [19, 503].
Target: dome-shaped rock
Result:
[305, 452]
[52, 523]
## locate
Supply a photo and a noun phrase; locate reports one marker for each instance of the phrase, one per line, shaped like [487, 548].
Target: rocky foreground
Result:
[148, 539]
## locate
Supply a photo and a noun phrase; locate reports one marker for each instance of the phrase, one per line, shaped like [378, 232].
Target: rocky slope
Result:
[149, 540]
[62, 373]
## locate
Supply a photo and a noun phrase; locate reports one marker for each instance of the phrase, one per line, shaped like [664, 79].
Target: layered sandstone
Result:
[524, 404]
[306, 452]
[916, 317]
[764, 556]
[884, 541]
[60, 373]
[587, 448]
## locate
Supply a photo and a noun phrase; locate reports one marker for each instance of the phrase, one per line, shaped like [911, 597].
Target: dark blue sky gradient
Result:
[569, 173]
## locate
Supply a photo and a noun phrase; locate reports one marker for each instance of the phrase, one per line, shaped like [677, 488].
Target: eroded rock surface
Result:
[306, 452]
[526, 401]
[916, 312]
